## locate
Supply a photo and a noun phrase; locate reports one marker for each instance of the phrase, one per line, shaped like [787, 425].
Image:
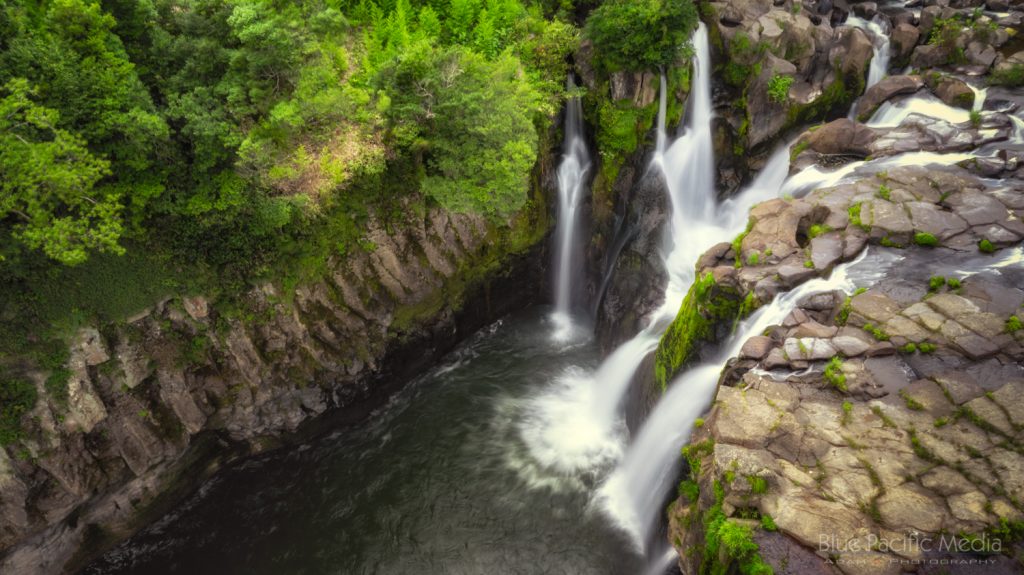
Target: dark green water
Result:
[437, 482]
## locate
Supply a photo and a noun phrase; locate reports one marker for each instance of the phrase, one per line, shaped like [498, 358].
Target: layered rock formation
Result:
[158, 401]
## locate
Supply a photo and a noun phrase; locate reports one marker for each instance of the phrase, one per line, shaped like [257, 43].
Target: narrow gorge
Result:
[634, 287]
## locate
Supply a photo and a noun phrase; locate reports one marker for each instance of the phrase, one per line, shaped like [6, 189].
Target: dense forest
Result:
[187, 145]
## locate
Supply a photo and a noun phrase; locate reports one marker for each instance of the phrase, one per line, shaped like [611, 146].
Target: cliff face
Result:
[162, 398]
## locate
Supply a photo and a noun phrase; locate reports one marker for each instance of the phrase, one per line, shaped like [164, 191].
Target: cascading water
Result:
[577, 426]
[877, 30]
[633, 495]
[572, 174]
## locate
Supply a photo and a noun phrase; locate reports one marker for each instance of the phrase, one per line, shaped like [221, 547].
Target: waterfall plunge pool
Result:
[440, 480]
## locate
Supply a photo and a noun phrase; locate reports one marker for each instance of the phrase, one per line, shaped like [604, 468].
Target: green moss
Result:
[854, 211]
[753, 259]
[910, 347]
[884, 192]
[935, 283]
[758, 485]
[767, 523]
[17, 397]
[834, 373]
[1013, 324]
[926, 347]
[1012, 76]
[911, 403]
[875, 332]
[986, 247]
[926, 239]
[706, 306]
[798, 149]
[817, 230]
[889, 243]
[953, 283]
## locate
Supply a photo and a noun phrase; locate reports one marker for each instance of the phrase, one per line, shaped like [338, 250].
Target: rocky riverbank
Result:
[876, 431]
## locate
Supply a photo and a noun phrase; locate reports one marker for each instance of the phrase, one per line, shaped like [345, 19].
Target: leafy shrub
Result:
[834, 373]
[778, 88]
[986, 247]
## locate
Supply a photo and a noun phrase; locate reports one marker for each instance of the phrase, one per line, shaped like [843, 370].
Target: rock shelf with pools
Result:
[835, 348]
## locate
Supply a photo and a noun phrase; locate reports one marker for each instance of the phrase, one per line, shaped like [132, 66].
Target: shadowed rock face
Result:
[157, 400]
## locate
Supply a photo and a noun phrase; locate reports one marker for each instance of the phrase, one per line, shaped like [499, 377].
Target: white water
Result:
[877, 31]
[572, 173]
[635, 492]
[577, 425]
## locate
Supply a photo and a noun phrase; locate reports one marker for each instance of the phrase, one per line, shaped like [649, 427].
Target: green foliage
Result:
[1010, 76]
[975, 118]
[884, 192]
[926, 347]
[875, 332]
[640, 34]
[986, 246]
[908, 348]
[834, 373]
[758, 485]
[926, 239]
[935, 283]
[473, 117]
[778, 88]
[767, 523]
[17, 397]
[817, 230]
[689, 490]
[1013, 324]
[47, 181]
[953, 283]
[855, 219]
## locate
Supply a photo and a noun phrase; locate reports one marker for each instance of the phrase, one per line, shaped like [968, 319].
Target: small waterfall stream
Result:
[572, 175]
[878, 30]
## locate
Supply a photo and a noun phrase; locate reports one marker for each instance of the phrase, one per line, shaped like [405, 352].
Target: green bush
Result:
[640, 34]
[986, 247]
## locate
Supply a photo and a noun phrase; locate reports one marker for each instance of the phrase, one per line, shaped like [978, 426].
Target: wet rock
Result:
[884, 90]
[929, 56]
[756, 347]
[826, 250]
[902, 41]
[951, 90]
[852, 51]
[981, 54]
[842, 136]
[808, 348]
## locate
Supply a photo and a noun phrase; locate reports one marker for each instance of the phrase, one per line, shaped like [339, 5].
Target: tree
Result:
[473, 118]
[48, 179]
[640, 34]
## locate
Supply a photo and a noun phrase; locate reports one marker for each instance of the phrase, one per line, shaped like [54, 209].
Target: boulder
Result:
[902, 41]
[884, 90]
[980, 54]
[851, 52]
[756, 347]
[951, 90]
[929, 56]
[841, 137]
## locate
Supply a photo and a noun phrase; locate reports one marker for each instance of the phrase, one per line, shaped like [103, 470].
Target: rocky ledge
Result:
[157, 402]
[878, 431]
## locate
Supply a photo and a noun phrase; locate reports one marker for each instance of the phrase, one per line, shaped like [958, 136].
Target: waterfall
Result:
[634, 494]
[572, 173]
[593, 404]
[877, 30]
